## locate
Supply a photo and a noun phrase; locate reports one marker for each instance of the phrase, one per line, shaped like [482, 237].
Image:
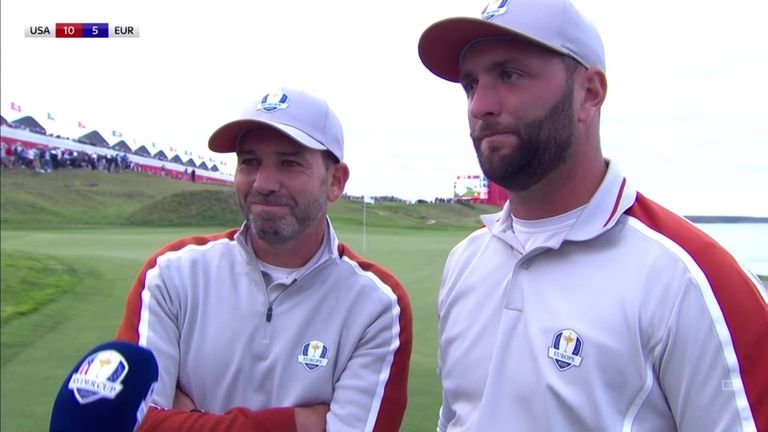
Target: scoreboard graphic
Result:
[470, 187]
[81, 30]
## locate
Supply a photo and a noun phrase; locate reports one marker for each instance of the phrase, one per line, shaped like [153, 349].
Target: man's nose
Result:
[485, 101]
[266, 180]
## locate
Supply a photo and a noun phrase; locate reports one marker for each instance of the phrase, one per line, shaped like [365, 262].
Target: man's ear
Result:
[337, 180]
[592, 87]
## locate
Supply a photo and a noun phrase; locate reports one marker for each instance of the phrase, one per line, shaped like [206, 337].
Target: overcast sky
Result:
[685, 118]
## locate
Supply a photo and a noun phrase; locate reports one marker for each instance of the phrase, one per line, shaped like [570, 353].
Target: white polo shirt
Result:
[633, 319]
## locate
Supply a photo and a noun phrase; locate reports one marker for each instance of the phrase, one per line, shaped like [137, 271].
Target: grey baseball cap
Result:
[555, 24]
[304, 117]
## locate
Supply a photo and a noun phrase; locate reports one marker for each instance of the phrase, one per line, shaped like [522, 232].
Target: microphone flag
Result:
[109, 389]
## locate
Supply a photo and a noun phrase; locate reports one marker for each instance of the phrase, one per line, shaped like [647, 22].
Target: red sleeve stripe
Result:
[735, 303]
[392, 394]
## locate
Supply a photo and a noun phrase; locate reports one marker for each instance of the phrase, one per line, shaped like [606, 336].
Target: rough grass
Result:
[29, 281]
[189, 208]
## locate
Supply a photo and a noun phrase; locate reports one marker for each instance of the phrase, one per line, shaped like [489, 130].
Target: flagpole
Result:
[364, 231]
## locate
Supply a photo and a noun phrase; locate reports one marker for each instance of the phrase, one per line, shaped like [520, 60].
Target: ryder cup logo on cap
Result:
[566, 349]
[100, 376]
[273, 101]
[554, 24]
[494, 8]
[305, 118]
[313, 355]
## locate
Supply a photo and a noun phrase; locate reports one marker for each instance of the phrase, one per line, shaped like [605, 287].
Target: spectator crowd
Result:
[43, 159]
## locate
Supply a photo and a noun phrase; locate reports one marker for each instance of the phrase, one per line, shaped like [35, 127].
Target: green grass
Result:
[31, 281]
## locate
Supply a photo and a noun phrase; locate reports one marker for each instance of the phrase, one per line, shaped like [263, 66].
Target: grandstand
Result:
[122, 146]
[27, 132]
[95, 139]
[142, 151]
[161, 156]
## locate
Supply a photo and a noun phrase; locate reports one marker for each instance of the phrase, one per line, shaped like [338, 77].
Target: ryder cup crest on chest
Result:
[99, 376]
[313, 355]
[566, 349]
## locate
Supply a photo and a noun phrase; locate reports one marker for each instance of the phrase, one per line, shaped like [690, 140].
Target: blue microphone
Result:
[108, 390]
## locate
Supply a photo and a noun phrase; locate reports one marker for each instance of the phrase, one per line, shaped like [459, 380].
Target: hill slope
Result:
[81, 197]
[71, 198]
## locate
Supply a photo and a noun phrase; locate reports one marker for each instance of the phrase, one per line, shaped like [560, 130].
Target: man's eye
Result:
[511, 75]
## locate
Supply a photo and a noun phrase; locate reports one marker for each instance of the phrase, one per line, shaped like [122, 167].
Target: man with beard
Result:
[275, 326]
[582, 305]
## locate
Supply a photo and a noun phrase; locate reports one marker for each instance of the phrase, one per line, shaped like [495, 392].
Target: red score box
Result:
[69, 30]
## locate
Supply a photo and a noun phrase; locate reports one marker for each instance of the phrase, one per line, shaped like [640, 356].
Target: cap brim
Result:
[224, 139]
[442, 43]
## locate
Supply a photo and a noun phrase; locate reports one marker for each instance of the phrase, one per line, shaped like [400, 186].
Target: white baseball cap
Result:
[555, 24]
[305, 118]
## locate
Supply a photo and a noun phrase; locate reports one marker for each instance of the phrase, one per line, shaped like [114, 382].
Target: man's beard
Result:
[543, 146]
[280, 228]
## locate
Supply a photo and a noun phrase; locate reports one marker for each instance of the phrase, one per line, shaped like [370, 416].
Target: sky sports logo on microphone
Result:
[99, 376]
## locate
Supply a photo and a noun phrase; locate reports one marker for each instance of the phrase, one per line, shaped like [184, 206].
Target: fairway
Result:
[38, 350]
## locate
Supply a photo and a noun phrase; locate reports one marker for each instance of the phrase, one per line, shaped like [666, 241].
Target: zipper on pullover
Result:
[270, 312]
[270, 308]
